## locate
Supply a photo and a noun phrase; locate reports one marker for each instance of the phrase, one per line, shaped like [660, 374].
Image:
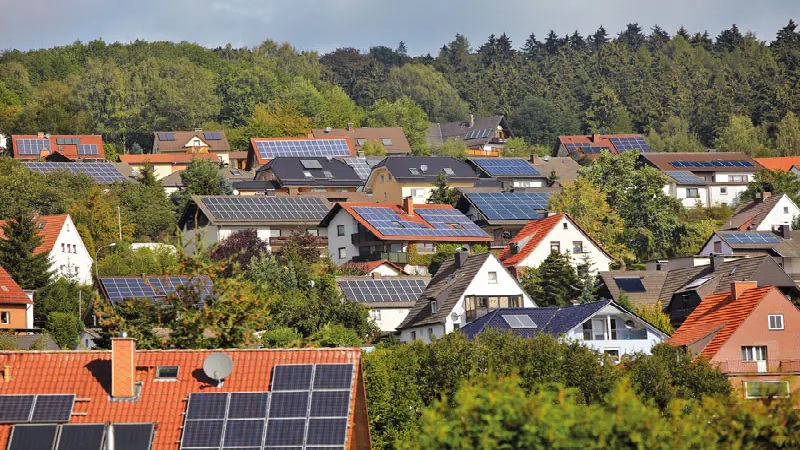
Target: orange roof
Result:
[166, 158]
[10, 292]
[784, 163]
[595, 140]
[87, 374]
[49, 229]
[57, 145]
[718, 314]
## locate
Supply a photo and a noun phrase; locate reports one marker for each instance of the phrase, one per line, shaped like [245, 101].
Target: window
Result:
[413, 335]
[167, 373]
[62, 248]
[717, 246]
[413, 170]
[692, 193]
[776, 321]
[375, 314]
[313, 232]
[565, 226]
[754, 353]
[587, 330]
[762, 389]
[386, 142]
[74, 248]
[613, 354]
[340, 230]
[426, 247]
[418, 193]
[786, 210]
[479, 305]
[5, 317]
[342, 253]
[555, 246]
[723, 191]
[595, 329]
[492, 277]
[382, 178]
[274, 233]
[307, 174]
[737, 178]
[430, 334]
[384, 196]
[577, 247]
[434, 307]
[521, 183]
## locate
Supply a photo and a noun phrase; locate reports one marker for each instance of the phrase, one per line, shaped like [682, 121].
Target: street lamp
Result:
[119, 222]
[96, 265]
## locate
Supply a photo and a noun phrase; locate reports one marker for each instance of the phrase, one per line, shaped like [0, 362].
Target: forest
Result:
[685, 91]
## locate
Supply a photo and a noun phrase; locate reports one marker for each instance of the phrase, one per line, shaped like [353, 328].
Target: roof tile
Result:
[49, 229]
[10, 292]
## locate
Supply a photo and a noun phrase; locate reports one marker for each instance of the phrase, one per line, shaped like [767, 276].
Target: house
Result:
[590, 146]
[766, 212]
[397, 178]
[558, 170]
[783, 244]
[683, 289]
[182, 399]
[639, 287]
[102, 172]
[388, 298]
[262, 150]
[87, 340]
[212, 218]
[34, 341]
[503, 214]
[555, 233]
[293, 175]
[238, 159]
[704, 179]
[381, 268]
[119, 289]
[61, 241]
[392, 139]
[513, 173]
[58, 148]
[603, 325]
[784, 163]
[370, 231]
[750, 334]
[192, 142]
[484, 136]
[362, 165]
[165, 164]
[463, 289]
[16, 305]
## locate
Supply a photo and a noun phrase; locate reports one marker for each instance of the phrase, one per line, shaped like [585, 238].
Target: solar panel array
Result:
[505, 166]
[274, 148]
[212, 135]
[310, 164]
[624, 144]
[685, 177]
[166, 136]
[84, 436]
[630, 284]
[307, 407]
[519, 321]
[750, 238]
[576, 148]
[88, 149]
[36, 408]
[265, 208]
[445, 222]
[32, 146]
[68, 141]
[710, 164]
[510, 205]
[360, 165]
[121, 288]
[478, 134]
[102, 172]
[382, 290]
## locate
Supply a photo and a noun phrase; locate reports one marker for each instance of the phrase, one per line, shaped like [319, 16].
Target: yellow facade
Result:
[385, 188]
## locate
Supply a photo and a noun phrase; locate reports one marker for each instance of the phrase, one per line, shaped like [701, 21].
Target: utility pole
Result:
[119, 223]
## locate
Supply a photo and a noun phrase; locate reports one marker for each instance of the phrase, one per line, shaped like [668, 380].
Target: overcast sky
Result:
[324, 25]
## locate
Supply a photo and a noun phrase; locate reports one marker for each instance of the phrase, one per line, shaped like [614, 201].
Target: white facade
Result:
[615, 338]
[385, 270]
[69, 256]
[725, 188]
[388, 319]
[566, 236]
[336, 242]
[716, 245]
[782, 214]
[501, 283]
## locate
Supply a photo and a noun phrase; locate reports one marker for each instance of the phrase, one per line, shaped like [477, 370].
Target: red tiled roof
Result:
[719, 314]
[181, 138]
[596, 140]
[51, 227]
[68, 150]
[166, 158]
[10, 292]
[784, 163]
[369, 266]
[253, 147]
[87, 374]
[533, 233]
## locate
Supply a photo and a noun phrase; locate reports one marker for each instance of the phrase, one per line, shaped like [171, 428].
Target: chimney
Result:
[471, 120]
[461, 259]
[766, 195]
[123, 366]
[596, 138]
[349, 126]
[716, 260]
[514, 247]
[6, 373]
[408, 206]
[737, 287]
[786, 231]
[40, 135]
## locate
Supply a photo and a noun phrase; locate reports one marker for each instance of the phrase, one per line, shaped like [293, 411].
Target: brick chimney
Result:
[596, 138]
[40, 135]
[349, 126]
[471, 120]
[408, 206]
[461, 259]
[123, 366]
[786, 231]
[737, 287]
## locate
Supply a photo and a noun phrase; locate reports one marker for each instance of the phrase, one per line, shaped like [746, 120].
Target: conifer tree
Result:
[29, 269]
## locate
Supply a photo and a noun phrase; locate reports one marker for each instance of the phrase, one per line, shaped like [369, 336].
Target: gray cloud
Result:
[324, 25]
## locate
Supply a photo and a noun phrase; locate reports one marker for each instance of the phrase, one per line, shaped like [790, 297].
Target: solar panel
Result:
[360, 165]
[67, 141]
[52, 408]
[202, 433]
[212, 135]
[519, 321]
[165, 136]
[330, 403]
[630, 284]
[510, 205]
[685, 177]
[624, 144]
[311, 164]
[444, 222]
[382, 290]
[16, 408]
[333, 376]
[712, 164]
[261, 207]
[32, 146]
[207, 406]
[287, 405]
[81, 437]
[102, 172]
[243, 433]
[121, 288]
[292, 377]
[269, 149]
[88, 149]
[133, 436]
[750, 238]
[32, 437]
[248, 405]
[326, 432]
[285, 432]
[505, 166]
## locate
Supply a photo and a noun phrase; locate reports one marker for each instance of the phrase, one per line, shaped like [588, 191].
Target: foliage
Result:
[23, 191]
[405, 113]
[122, 260]
[554, 283]
[516, 148]
[777, 182]
[451, 147]
[371, 149]
[655, 315]
[428, 88]
[238, 249]
[146, 206]
[29, 269]
[540, 121]
[787, 135]
[673, 135]
[282, 337]
[98, 221]
[201, 177]
[64, 328]
[280, 119]
[738, 136]
[62, 296]
[337, 335]
[443, 194]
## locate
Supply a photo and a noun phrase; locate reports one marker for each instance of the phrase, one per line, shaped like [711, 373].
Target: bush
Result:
[64, 328]
[283, 337]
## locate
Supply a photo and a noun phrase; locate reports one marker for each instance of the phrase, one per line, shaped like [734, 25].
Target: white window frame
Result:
[752, 353]
[579, 245]
[783, 382]
[492, 277]
[778, 321]
[375, 314]
[434, 307]
[274, 232]
[161, 377]
[608, 352]
[418, 192]
[693, 189]
[342, 252]
[340, 230]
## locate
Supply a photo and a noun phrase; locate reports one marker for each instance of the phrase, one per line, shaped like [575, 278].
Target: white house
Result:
[603, 325]
[556, 233]
[389, 299]
[766, 212]
[464, 289]
[61, 241]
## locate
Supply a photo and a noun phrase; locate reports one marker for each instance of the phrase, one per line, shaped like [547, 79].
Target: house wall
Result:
[624, 345]
[19, 317]
[335, 242]
[391, 191]
[75, 265]
[385, 270]
[390, 318]
[709, 247]
[565, 238]
[777, 216]
[679, 191]
[731, 195]
[211, 234]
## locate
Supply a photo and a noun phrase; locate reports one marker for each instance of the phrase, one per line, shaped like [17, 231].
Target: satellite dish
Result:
[235, 192]
[47, 135]
[423, 167]
[629, 324]
[218, 366]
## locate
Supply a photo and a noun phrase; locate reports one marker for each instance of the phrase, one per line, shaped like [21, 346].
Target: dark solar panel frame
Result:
[510, 205]
[505, 166]
[53, 408]
[291, 377]
[246, 433]
[212, 135]
[32, 437]
[750, 238]
[102, 172]
[31, 146]
[75, 436]
[360, 165]
[630, 284]
[288, 404]
[624, 144]
[383, 290]
[207, 406]
[712, 164]
[326, 431]
[248, 405]
[285, 433]
[333, 376]
[389, 223]
[202, 434]
[133, 436]
[166, 136]
[270, 149]
[329, 404]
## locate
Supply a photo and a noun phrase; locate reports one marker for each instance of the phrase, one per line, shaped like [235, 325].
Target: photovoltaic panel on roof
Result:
[88, 149]
[333, 376]
[510, 205]
[32, 437]
[288, 404]
[382, 290]
[292, 377]
[327, 432]
[285, 432]
[202, 434]
[81, 437]
[310, 164]
[248, 405]
[243, 433]
[330, 403]
[121, 288]
[519, 321]
[207, 406]
[102, 172]
[212, 135]
[32, 146]
[444, 222]
[269, 149]
[53, 408]
[738, 164]
[685, 177]
[750, 238]
[260, 207]
[630, 284]
[505, 166]
[166, 136]
[16, 408]
[133, 436]
[624, 144]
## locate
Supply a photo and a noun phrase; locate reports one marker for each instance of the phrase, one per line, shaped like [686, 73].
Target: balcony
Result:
[769, 366]
[392, 257]
[364, 238]
[276, 244]
[498, 140]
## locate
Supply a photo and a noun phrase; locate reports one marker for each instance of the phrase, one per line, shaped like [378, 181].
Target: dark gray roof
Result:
[750, 214]
[652, 281]
[396, 292]
[446, 287]
[290, 171]
[401, 168]
[26, 341]
[440, 132]
[783, 247]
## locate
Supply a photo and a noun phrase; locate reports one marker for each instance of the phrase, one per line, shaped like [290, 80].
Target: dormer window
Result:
[448, 171]
[413, 170]
[307, 174]
[167, 373]
[386, 142]
[434, 307]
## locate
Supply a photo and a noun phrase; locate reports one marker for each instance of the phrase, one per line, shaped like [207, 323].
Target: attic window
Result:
[361, 142]
[236, 173]
[3, 287]
[413, 170]
[386, 142]
[434, 307]
[448, 171]
[40, 225]
[307, 174]
[327, 174]
[519, 321]
[167, 373]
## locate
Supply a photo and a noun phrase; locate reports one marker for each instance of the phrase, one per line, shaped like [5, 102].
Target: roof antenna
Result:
[218, 366]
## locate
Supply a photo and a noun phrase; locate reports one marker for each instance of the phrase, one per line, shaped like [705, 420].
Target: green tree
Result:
[787, 136]
[146, 206]
[124, 261]
[739, 135]
[23, 191]
[516, 148]
[452, 148]
[97, 221]
[64, 328]
[555, 282]
[539, 121]
[777, 182]
[280, 119]
[371, 149]
[62, 296]
[674, 135]
[606, 114]
[201, 177]
[428, 88]
[282, 337]
[442, 194]
[405, 113]
[31, 270]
